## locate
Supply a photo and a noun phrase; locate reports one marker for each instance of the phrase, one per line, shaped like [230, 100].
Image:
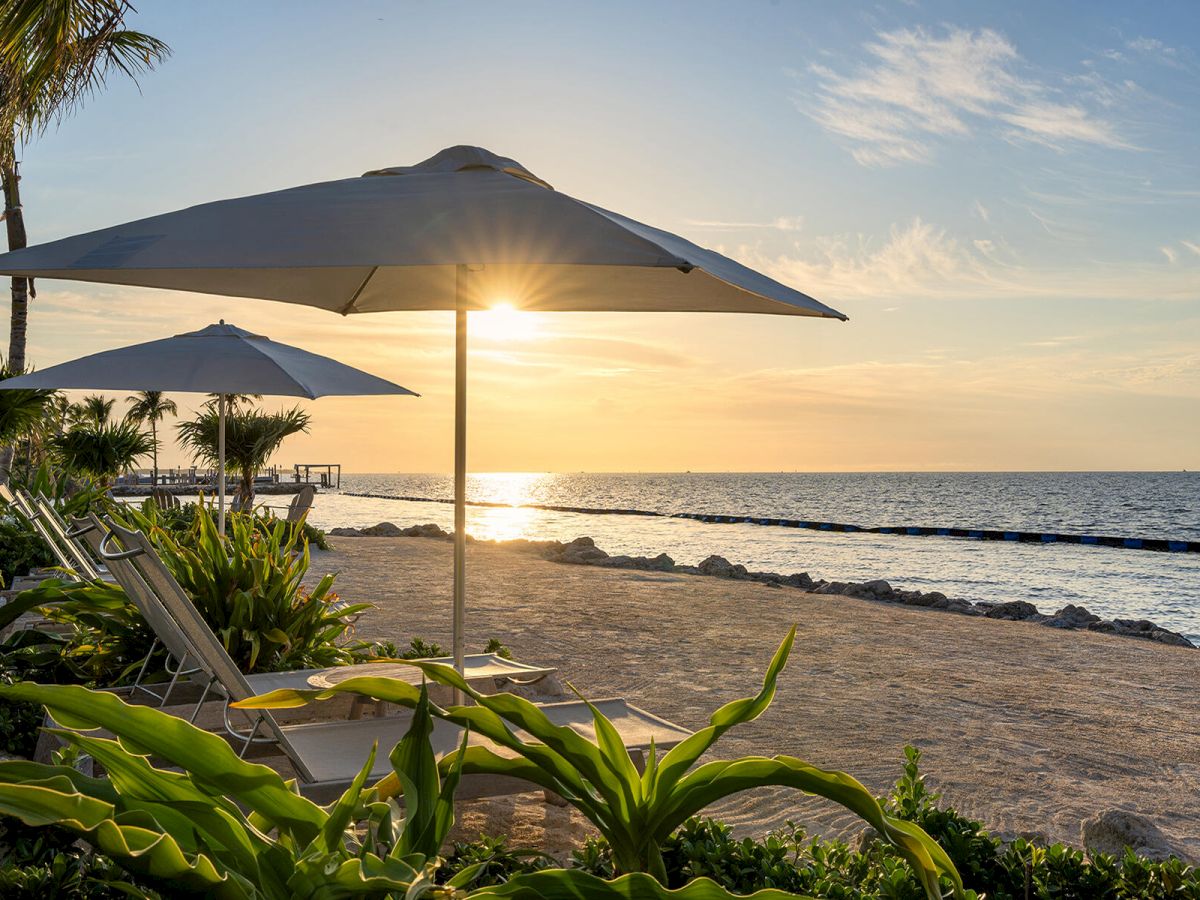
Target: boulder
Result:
[1115, 829]
[1171, 638]
[720, 567]
[918, 598]
[383, 529]
[800, 580]
[345, 532]
[879, 588]
[1071, 616]
[1014, 610]
[661, 563]
[831, 587]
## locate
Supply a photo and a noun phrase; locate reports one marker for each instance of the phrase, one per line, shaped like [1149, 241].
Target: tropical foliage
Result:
[102, 451]
[636, 812]
[250, 589]
[150, 407]
[94, 409]
[54, 54]
[21, 412]
[224, 827]
[251, 438]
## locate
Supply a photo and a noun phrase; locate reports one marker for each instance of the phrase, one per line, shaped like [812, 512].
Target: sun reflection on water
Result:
[515, 490]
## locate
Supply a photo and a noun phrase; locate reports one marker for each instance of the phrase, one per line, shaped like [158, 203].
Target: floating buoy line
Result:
[977, 534]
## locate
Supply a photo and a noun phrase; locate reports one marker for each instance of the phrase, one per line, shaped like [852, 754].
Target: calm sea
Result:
[1164, 587]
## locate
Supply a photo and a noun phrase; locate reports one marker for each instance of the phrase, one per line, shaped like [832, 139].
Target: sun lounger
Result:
[17, 499]
[195, 650]
[66, 540]
[164, 499]
[326, 756]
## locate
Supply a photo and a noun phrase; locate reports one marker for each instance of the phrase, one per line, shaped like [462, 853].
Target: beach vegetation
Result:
[249, 587]
[54, 55]
[223, 827]
[150, 408]
[21, 414]
[251, 438]
[636, 812]
[101, 451]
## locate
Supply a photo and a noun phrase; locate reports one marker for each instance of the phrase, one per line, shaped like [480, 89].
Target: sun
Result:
[504, 322]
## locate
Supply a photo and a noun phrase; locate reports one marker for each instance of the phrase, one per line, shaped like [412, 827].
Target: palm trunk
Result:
[15, 221]
[154, 452]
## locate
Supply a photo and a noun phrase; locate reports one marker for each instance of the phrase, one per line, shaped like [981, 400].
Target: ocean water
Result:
[1163, 587]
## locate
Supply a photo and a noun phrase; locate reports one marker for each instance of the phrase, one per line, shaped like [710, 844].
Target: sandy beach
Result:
[1030, 729]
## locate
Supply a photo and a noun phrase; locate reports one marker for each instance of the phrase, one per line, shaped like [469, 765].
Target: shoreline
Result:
[583, 551]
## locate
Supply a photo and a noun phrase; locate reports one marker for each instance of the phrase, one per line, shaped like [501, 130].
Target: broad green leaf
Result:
[574, 884]
[150, 853]
[209, 760]
[683, 755]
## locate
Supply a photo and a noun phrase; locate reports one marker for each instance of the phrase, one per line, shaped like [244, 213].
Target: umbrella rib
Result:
[349, 307]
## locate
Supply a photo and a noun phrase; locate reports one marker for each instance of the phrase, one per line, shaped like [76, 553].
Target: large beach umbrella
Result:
[463, 230]
[220, 359]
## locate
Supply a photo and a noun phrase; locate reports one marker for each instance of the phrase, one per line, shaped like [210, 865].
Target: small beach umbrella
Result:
[220, 359]
[463, 230]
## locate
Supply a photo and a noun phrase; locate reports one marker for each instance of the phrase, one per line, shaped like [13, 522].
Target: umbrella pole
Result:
[460, 464]
[221, 465]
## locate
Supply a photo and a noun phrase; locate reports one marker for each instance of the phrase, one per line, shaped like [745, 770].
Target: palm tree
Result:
[251, 438]
[233, 401]
[101, 450]
[152, 407]
[54, 54]
[96, 409]
[21, 412]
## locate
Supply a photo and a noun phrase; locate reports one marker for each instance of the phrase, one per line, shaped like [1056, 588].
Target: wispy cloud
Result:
[917, 88]
[782, 223]
[922, 260]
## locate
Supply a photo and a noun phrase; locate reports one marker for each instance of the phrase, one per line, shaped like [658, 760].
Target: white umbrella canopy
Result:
[392, 239]
[463, 230]
[220, 359]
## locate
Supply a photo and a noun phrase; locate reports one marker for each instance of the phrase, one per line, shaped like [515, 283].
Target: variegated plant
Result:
[635, 812]
[222, 827]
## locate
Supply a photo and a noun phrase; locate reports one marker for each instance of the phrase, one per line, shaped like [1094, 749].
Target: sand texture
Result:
[1030, 729]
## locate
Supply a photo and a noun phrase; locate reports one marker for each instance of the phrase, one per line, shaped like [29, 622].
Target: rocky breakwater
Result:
[583, 552]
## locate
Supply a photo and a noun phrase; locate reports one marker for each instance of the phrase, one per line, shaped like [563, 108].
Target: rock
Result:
[917, 598]
[958, 605]
[661, 563]
[582, 551]
[879, 588]
[1133, 626]
[1014, 610]
[831, 587]
[1071, 616]
[1171, 638]
[618, 562]
[383, 529]
[800, 580]
[345, 532]
[720, 567]
[1115, 829]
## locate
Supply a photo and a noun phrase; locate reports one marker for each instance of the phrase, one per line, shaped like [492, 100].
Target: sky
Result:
[1004, 198]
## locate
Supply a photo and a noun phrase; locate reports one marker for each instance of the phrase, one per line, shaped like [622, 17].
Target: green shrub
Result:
[495, 862]
[788, 860]
[44, 863]
[105, 640]
[21, 550]
[636, 812]
[249, 588]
